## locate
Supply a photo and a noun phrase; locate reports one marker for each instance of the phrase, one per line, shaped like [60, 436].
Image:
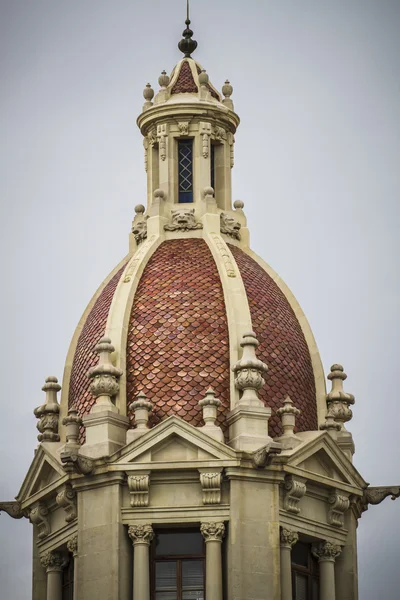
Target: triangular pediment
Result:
[44, 473]
[175, 441]
[321, 459]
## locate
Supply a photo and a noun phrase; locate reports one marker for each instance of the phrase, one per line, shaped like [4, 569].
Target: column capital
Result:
[141, 534]
[326, 551]
[72, 545]
[53, 561]
[212, 531]
[288, 538]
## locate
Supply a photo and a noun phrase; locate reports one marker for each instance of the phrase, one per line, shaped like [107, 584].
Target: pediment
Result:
[44, 471]
[321, 459]
[175, 441]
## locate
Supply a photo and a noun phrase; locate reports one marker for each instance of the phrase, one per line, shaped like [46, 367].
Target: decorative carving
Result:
[146, 148]
[326, 551]
[139, 485]
[148, 94]
[48, 412]
[295, 489]
[338, 506]
[249, 371]
[183, 127]
[225, 255]
[104, 376]
[163, 80]
[137, 258]
[39, 516]
[375, 495]
[72, 423]
[53, 561]
[288, 537]
[219, 133]
[205, 132]
[183, 219]
[229, 226]
[162, 140]
[141, 534]
[288, 413]
[213, 531]
[339, 401]
[66, 498]
[13, 509]
[139, 230]
[76, 463]
[227, 91]
[72, 545]
[263, 456]
[231, 140]
[152, 137]
[141, 407]
[211, 486]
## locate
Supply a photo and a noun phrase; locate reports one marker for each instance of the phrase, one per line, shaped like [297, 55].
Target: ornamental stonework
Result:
[141, 534]
[213, 531]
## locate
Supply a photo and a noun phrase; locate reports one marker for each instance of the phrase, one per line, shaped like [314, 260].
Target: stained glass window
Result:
[185, 170]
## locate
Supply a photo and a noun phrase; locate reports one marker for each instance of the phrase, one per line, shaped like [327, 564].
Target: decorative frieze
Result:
[139, 486]
[294, 490]
[66, 498]
[338, 504]
[39, 517]
[326, 551]
[212, 531]
[72, 545]
[141, 534]
[48, 413]
[211, 486]
[229, 226]
[205, 132]
[53, 561]
[162, 131]
[183, 219]
[225, 255]
[288, 538]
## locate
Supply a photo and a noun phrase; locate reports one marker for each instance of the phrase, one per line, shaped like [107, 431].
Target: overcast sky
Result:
[317, 87]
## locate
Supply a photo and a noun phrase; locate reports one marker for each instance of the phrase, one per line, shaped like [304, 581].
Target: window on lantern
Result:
[305, 573]
[185, 170]
[178, 566]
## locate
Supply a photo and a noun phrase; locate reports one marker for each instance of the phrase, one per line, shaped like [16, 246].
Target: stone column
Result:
[141, 536]
[288, 539]
[326, 552]
[213, 532]
[72, 546]
[54, 563]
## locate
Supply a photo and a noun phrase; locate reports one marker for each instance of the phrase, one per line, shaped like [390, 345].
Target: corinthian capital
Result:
[53, 561]
[326, 551]
[213, 531]
[141, 534]
[288, 537]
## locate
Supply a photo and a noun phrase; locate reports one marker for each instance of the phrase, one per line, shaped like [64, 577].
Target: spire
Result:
[187, 45]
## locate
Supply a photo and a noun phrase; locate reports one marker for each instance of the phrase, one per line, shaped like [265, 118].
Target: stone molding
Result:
[141, 534]
[326, 551]
[288, 537]
[66, 498]
[295, 489]
[211, 486]
[72, 545]
[212, 531]
[338, 506]
[39, 516]
[53, 561]
[139, 487]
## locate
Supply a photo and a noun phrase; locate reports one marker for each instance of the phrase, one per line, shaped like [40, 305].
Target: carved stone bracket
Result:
[229, 226]
[211, 486]
[152, 137]
[205, 131]
[39, 516]
[66, 498]
[288, 538]
[141, 534]
[213, 531]
[13, 509]
[76, 463]
[53, 561]
[338, 506]
[375, 495]
[326, 551]
[72, 545]
[183, 219]
[139, 486]
[263, 456]
[295, 489]
[162, 131]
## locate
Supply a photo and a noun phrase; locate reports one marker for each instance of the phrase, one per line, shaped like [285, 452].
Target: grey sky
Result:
[317, 87]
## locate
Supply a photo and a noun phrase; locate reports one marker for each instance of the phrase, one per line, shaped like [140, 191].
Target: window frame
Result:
[311, 571]
[185, 141]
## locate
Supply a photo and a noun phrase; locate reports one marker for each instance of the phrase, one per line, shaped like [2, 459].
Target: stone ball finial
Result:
[148, 93]
[163, 80]
[238, 204]
[158, 193]
[208, 191]
[203, 77]
[227, 89]
[139, 209]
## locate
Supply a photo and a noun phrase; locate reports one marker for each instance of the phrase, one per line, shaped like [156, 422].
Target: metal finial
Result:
[187, 45]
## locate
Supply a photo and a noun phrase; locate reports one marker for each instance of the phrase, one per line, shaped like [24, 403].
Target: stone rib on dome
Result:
[178, 342]
[282, 346]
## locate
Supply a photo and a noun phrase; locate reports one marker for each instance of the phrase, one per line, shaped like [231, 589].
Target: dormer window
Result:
[185, 170]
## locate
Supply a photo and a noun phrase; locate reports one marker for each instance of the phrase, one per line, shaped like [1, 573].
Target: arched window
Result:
[185, 170]
[305, 573]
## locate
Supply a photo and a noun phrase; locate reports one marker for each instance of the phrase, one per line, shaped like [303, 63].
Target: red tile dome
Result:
[178, 339]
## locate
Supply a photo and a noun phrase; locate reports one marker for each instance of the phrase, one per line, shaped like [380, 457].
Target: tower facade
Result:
[194, 451]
